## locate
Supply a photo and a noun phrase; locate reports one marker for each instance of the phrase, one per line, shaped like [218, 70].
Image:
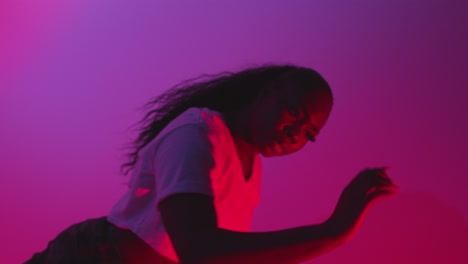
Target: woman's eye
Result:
[310, 137]
[288, 131]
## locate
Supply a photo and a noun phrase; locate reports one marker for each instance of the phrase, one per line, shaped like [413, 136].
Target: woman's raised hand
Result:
[365, 188]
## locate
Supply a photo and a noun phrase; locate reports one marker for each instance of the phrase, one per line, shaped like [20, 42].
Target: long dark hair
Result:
[226, 92]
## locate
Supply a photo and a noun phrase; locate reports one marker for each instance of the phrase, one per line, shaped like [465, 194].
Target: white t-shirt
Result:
[194, 153]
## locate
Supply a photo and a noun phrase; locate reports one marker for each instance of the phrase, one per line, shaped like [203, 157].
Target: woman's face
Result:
[285, 120]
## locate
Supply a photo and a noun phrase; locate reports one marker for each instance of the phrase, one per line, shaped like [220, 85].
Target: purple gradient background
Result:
[73, 73]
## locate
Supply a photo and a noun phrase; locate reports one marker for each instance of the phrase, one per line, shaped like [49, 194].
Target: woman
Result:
[196, 176]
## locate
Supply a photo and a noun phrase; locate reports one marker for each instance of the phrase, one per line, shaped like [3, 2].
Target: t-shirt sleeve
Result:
[184, 162]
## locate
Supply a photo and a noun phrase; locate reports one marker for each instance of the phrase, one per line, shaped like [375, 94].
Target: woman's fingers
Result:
[383, 173]
[383, 186]
[372, 180]
[368, 186]
[378, 188]
[380, 193]
[380, 175]
[385, 182]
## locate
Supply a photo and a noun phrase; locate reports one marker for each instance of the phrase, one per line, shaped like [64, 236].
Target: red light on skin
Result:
[277, 148]
[141, 192]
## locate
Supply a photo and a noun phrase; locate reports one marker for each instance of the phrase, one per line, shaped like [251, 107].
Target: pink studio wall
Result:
[73, 73]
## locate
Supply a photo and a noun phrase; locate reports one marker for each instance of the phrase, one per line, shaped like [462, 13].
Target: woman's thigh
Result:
[97, 241]
[84, 242]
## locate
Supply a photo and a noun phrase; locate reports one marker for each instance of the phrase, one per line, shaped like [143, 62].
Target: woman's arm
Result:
[190, 220]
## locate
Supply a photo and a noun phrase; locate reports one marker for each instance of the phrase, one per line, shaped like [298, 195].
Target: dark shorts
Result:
[97, 241]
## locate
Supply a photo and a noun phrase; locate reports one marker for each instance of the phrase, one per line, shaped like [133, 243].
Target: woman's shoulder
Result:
[197, 116]
[207, 122]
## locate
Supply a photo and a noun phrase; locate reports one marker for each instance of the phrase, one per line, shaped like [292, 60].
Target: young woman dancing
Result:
[196, 177]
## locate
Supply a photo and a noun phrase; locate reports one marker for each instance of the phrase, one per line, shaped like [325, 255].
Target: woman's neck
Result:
[238, 125]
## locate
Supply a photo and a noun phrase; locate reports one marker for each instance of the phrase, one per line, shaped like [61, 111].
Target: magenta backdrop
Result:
[73, 73]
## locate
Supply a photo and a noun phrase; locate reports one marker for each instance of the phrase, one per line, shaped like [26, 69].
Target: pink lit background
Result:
[73, 74]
